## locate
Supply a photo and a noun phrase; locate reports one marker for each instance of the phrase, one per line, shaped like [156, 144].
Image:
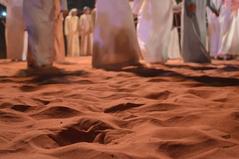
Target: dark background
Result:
[80, 4]
[2, 34]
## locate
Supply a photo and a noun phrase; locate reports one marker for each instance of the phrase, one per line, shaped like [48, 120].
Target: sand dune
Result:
[175, 111]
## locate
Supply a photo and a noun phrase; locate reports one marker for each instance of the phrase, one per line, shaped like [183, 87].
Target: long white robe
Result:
[194, 32]
[86, 28]
[154, 29]
[230, 24]
[214, 29]
[39, 20]
[14, 28]
[174, 44]
[72, 33]
[174, 48]
[25, 46]
[225, 20]
[230, 44]
[115, 41]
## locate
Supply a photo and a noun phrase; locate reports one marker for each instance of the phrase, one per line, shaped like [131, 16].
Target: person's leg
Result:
[40, 26]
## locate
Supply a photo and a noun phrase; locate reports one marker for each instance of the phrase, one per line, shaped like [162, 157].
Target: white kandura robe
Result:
[230, 24]
[86, 28]
[214, 29]
[194, 32]
[72, 33]
[174, 47]
[14, 29]
[225, 20]
[154, 29]
[174, 44]
[39, 20]
[25, 46]
[231, 39]
[115, 40]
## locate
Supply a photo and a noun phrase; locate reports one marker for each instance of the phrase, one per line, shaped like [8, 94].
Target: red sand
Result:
[177, 111]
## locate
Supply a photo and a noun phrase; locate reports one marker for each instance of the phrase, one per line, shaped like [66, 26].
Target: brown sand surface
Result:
[175, 111]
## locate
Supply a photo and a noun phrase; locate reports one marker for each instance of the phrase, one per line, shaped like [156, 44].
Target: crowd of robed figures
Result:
[116, 41]
[79, 32]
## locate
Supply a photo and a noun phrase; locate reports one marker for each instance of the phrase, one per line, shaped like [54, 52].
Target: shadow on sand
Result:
[213, 81]
[60, 76]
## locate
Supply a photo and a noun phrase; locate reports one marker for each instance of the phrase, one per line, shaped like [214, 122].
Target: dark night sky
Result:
[2, 8]
[80, 3]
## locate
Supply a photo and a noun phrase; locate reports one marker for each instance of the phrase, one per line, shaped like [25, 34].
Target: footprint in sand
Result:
[86, 130]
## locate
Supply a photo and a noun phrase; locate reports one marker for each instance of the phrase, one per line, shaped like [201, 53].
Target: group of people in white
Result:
[79, 32]
[210, 28]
